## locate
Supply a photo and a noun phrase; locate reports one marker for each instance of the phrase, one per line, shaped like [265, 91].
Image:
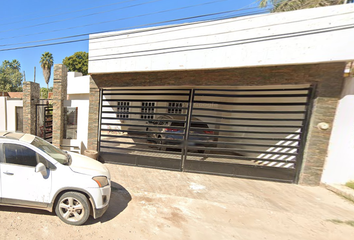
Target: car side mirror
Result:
[41, 168]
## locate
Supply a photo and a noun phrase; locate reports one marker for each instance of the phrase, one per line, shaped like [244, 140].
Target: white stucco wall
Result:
[78, 90]
[8, 113]
[82, 121]
[2, 113]
[296, 37]
[78, 84]
[339, 167]
[11, 112]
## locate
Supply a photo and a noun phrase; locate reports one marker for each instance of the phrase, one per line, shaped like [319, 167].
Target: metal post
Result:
[186, 131]
[45, 124]
[36, 127]
[304, 131]
[100, 122]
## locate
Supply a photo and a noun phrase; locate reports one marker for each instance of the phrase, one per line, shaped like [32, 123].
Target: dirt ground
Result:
[157, 204]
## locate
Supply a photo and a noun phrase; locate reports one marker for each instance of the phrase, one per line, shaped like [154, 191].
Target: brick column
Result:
[31, 93]
[59, 95]
[93, 116]
[324, 109]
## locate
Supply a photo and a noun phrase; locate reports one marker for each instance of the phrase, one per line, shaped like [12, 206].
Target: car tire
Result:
[73, 208]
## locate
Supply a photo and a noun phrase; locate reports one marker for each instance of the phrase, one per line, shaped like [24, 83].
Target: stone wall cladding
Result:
[31, 93]
[254, 76]
[60, 92]
[327, 77]
[93, 116]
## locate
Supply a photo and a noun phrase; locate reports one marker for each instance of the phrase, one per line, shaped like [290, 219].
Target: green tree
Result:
[45, 91]
[10, 76]
[78, 62]
[46, 64]
[290, 5]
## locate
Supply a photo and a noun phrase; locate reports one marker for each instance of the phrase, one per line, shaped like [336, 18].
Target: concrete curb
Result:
[341, 190]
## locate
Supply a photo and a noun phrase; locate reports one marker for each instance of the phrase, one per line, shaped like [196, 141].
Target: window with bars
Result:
[123, 109]
[175, 107]
[148, 109]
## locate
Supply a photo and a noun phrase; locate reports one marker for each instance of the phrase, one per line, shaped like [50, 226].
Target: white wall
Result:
[8, 113]
[3, 113]
[339, 167]
[82, 122]
[78, 90]
[11, 112]
[258, 40]
[78, 84]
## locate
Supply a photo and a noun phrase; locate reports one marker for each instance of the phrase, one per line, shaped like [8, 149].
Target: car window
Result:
[18, 154]
[51, 150]
[199, 125]
[193, 125]
[46, 163]
[177, 124]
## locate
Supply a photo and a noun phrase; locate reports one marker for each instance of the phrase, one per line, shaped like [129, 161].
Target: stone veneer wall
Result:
[327, 77]
[59, 95]
[93, 116]
[31, 93]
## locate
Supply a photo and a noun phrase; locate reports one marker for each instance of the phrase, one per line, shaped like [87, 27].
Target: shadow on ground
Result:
[24, 210]
[120, 198]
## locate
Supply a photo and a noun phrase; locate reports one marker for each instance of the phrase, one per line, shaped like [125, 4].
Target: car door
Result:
[20, 183]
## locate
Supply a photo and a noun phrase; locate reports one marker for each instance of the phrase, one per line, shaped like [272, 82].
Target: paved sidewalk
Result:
[157, 204]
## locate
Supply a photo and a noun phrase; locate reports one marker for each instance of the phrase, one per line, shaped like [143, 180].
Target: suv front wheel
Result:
[73, 208]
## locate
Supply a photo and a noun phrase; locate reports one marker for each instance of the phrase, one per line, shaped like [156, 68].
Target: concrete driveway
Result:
[156, 204]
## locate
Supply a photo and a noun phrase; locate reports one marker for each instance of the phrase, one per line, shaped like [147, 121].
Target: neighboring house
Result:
[267, 86]
[11, 111]
[15, 95]
[76, 108]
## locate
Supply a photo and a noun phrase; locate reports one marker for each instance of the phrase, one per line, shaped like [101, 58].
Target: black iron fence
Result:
[44, 121]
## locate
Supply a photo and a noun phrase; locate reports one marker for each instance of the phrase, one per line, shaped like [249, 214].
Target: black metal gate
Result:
[44, 125]
[251, 132]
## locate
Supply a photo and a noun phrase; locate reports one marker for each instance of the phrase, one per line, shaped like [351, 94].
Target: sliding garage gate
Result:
[251, 132]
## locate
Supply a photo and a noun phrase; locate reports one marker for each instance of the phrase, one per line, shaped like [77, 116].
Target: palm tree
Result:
[46, 64]
[290, 5]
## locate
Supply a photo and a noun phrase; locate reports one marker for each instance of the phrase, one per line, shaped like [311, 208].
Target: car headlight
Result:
[101, 181]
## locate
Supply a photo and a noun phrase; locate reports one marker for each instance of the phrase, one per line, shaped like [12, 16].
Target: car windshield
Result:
[56, 153]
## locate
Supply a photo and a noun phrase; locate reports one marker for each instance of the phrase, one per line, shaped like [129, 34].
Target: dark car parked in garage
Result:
[163, 134]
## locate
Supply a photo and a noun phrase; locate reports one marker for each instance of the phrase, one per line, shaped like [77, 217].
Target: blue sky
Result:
[32, 23]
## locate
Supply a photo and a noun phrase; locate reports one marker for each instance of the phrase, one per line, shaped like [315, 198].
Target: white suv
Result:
[35, 174]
